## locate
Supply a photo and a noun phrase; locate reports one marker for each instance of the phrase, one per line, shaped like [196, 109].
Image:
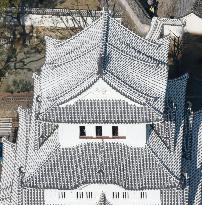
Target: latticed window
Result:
[82, 131]
[79, 195]
[98, 130]
[125, 195]
[89, 195]
[62, 195]
[115, 195]
[143, 195]
[115, 131]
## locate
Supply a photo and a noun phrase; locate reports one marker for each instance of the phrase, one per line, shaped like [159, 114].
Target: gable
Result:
[193, 24]
[101, 91]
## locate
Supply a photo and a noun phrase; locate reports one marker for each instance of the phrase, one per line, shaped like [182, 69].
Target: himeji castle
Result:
[106, 126]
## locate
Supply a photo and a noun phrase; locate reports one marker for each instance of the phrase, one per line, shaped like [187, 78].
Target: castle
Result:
[106, 126]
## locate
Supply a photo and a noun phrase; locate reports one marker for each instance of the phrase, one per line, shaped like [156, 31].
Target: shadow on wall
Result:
[191, 63]
[195, 172]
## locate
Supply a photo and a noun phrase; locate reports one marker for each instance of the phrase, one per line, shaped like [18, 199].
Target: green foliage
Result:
[2, 73]
[7, 3]
[19, 86]
[4, 4]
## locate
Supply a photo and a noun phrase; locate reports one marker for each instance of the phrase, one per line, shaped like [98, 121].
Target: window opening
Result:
[143, 195]
[89, 195]
[115, 131]
[82, 131]
[98, 130]
[124, 195]
[115, 195]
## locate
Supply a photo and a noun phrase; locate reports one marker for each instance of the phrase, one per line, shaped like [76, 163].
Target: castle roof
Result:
[134, 66]
[109, 163]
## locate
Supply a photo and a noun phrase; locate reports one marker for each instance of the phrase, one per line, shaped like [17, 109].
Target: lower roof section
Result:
[100, 111]
[101, 163]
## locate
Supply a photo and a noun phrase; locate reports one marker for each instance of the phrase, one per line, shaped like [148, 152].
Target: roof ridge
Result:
[161, 164]
[42, 163]
[104, 40]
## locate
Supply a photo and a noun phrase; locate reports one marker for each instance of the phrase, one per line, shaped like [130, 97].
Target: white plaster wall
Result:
[100, 90]
[135, 134]
[56, 21]
[53, 21]
[173, 30]
[133, 197]
[193, 24]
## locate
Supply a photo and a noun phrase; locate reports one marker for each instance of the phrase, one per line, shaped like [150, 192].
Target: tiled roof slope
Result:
[7, 170]
[107, 49]
[195, 166]
[101, 111]
[171, 158]
[14, 158]
[109, 163]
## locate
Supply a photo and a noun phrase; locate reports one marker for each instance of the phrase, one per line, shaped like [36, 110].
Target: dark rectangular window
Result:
[143, 195]
[82, 131]
[115, 195]
[89, 195]
[98, 130]
[115, 131]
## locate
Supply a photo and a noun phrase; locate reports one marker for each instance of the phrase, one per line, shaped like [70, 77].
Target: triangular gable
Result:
[101, 90]
[116, 91]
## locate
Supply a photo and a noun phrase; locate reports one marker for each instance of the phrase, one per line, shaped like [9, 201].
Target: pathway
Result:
[142, 28]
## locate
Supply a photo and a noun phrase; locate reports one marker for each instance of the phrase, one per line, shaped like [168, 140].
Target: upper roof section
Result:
[134, 66]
